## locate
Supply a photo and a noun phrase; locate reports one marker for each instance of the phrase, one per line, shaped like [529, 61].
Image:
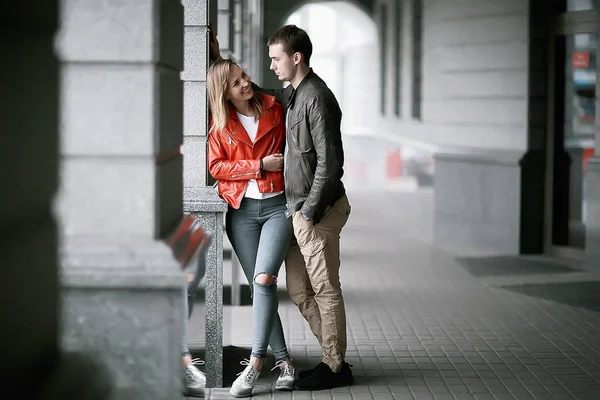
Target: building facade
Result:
[102, 94]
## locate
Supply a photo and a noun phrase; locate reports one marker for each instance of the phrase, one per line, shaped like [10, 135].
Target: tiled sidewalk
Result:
[421, 326]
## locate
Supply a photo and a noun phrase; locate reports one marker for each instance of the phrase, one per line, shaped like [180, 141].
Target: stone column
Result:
[121, 111]
[29, 277]
[200, 198]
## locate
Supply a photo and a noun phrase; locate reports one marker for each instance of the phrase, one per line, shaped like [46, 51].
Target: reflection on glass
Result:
[581, 5]
[580, 115]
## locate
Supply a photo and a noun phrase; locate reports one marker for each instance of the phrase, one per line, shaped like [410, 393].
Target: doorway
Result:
[571, 137]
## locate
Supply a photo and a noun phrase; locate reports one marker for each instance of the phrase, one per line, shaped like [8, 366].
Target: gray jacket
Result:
[314, 157]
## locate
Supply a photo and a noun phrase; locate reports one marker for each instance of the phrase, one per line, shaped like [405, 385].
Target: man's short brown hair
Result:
[293, 40]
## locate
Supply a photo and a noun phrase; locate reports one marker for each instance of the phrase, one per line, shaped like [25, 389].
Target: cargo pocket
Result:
[308, 238]
[313, 246]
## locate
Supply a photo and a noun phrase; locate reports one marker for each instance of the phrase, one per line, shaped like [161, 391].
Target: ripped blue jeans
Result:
[260, 235]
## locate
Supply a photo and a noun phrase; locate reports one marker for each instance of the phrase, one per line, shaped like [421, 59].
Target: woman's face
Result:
[238, 85]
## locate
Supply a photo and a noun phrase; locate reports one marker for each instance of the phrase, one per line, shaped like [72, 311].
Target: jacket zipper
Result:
[244, 174]
[231, 141]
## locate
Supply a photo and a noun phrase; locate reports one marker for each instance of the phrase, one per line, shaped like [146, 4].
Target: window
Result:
[398, 60]
[417, 56]
[383, 51]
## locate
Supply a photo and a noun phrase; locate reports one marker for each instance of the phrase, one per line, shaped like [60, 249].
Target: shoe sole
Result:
[240, 396]
[284, 388]
[197, 394]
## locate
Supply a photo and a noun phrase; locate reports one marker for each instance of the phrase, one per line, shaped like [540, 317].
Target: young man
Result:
[316, 201]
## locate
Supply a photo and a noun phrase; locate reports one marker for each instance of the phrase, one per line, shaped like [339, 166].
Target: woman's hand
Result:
[273, 163]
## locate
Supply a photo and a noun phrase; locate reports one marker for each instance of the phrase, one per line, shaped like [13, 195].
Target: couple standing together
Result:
[277, 156]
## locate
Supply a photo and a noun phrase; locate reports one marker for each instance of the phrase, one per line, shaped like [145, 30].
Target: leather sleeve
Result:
[221, 168]
[324, 117]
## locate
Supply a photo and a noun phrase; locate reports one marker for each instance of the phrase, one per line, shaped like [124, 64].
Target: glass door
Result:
[571, 138]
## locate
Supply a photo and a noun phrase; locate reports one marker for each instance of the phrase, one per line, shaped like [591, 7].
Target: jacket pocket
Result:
[300, 138]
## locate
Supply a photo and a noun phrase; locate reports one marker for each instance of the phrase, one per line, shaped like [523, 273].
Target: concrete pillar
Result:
[121, 111]
[29, 277]
[200, 198]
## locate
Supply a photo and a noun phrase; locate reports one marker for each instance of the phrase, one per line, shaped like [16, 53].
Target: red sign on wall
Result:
[580, 59]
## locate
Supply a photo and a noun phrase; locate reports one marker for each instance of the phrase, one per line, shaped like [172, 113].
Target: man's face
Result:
[284, 65]
[238, 85]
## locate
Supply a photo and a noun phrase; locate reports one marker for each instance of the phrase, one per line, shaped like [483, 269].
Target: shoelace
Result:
[197, 361]
[250, 376]
[286, 370]
[193, 372]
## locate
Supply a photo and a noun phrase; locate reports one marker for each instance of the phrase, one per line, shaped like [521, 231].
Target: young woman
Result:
[246, 140]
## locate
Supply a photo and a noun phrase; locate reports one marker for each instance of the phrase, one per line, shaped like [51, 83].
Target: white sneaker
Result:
[286, 378]
[194, 381]
[245, 382]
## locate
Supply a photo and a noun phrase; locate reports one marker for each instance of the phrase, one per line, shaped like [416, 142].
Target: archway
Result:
[346, 56]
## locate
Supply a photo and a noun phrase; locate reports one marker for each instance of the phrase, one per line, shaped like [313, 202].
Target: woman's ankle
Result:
[257, 363]
[186, 360]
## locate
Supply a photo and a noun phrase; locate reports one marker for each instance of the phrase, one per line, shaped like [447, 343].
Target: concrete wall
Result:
[482, 75]
[475, 67]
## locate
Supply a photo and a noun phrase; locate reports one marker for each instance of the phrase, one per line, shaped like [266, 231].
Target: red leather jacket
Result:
[233, 159]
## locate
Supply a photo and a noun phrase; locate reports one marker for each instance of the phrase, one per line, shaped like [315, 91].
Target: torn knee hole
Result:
[265, 279]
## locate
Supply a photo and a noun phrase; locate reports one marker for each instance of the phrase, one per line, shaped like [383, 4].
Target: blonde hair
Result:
[216, 79]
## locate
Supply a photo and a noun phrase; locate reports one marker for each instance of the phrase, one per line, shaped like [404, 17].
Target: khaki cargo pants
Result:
[313, 279]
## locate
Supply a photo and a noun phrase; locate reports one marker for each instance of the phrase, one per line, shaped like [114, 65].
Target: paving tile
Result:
[421, 327]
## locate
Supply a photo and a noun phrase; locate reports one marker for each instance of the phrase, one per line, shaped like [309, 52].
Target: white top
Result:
[251, 126]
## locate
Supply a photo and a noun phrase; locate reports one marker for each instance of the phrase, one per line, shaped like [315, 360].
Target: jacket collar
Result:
[300, 86]
[267, 121]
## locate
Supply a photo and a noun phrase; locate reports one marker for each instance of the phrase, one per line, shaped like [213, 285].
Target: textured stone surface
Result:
[200, 199]
[135, 332]
[196, 12]
[209, 209]
[107, 30]
[115, 31]
[477, 200]
[122, 105]
[120, 118]
[195, 168]
[195, 109]
[196, 53]
[108, 198]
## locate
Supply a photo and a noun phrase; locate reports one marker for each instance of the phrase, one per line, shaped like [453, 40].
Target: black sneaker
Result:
[344, 376]
[307, 373]
[323, 378]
